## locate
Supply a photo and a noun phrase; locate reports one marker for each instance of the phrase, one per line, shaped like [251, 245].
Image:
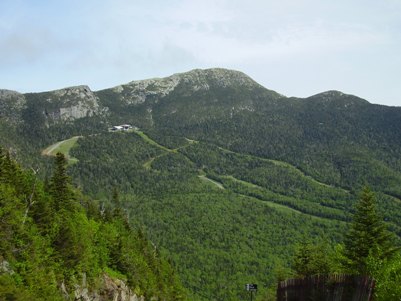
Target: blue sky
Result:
[295, 47]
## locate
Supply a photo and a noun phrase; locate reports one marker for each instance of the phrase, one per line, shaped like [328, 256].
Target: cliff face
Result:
[60, 105]
[74, 103]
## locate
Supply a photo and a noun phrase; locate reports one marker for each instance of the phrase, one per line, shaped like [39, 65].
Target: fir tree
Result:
[368, 236]
[115, 200]
[59, 183]
[312, 259]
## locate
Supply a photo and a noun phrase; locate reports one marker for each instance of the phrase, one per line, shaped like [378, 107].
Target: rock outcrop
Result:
[73, 103]
[110, 290]
[137, 92]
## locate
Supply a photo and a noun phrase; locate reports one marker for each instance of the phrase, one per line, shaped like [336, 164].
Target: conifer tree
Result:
[59, 183]
[368, 236]
[312, 259]
[7, 168]
[115, 200]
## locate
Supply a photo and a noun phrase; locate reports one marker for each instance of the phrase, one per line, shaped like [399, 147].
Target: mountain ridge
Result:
[194, 74]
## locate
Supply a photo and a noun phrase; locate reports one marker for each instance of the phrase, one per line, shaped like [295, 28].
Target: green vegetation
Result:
[249, 230]
[313, 259]
[64, 148]
[51, 234]
[218, 239]
[291, 169]
[203, 177]
[152, 142]
[368, 236]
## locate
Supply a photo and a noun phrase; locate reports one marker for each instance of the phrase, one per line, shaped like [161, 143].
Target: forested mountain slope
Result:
[56, 244]
[226, 175]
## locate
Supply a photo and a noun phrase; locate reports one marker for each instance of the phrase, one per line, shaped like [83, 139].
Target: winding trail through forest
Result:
[205, 178]
[146, 138]
[284, 164]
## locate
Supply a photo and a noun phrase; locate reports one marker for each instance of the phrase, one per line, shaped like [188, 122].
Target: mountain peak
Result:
[8, 93]
[333, 96]
[198, 77]
[219, 76]
[81, 89]
[138, 91]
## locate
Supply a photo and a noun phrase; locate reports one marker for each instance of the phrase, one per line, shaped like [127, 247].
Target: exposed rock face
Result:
[75, 112]
[74, 103]
[6, 268]
[111, 290]
[201, 79]
[60, 105]
[137, 92]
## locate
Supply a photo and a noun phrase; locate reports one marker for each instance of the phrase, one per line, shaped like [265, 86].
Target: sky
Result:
[295, 47]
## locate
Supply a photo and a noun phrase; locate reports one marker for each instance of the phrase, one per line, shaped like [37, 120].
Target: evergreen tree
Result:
[59, 183]
[312, 259]
[368, 236]
[115, 200]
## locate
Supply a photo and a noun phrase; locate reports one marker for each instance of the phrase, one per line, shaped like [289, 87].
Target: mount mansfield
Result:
[224, 175]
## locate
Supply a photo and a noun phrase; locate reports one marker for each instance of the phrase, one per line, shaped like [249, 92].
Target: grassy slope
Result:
[63, 147]
[205, 178]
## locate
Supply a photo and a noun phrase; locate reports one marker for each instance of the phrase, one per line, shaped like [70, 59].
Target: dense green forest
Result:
[220, 237]
[52, 236]
[52, 229]
[226, 177]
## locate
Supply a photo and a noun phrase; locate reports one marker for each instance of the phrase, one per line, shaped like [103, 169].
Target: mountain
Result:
[225, 175]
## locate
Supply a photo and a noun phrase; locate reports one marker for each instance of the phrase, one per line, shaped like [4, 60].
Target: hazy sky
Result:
[297, 48]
